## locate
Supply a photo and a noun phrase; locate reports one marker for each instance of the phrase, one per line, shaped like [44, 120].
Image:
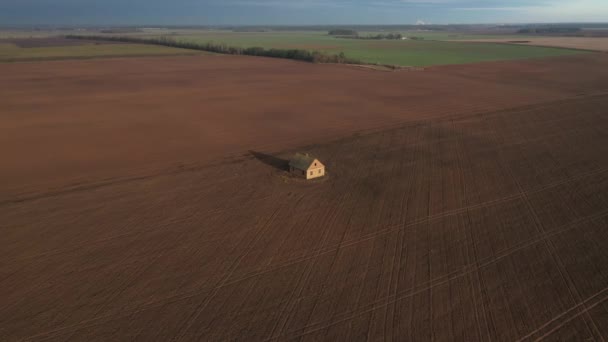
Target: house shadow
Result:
[277, 163]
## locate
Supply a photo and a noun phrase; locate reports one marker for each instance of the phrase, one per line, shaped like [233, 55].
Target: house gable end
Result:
[315, 164]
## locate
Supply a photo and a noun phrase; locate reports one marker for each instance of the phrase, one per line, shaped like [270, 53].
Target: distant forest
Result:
[549, 30]
[352, 34]
[297, 54]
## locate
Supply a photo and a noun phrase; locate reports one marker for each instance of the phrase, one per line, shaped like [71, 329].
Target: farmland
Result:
[436, 48]
[464, 202]
[405, 53]
[583, 43]
[56, 48]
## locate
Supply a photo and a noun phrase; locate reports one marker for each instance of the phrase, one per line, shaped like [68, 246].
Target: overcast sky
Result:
[298, 12]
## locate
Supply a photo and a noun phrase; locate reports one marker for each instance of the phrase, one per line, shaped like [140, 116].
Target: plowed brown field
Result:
[462, 203]
[583, 43]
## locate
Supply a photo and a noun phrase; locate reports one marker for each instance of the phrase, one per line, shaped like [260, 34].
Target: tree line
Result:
[297, 54]
[351, 34]
[549, 30]
[380, 36]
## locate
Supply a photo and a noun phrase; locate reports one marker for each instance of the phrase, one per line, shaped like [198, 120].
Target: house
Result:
[303, 165]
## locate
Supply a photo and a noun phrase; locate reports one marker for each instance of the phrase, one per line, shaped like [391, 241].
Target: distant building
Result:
[303, 165]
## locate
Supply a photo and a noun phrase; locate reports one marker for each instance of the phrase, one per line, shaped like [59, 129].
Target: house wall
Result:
[315, 173]
[297, 172]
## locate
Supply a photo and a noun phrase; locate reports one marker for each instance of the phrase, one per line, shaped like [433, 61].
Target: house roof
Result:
[301, 161]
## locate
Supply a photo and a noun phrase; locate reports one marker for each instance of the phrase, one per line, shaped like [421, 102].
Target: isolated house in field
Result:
[303, 165]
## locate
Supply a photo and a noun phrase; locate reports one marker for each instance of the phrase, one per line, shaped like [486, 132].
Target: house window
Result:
[311, 173]
[319, 171]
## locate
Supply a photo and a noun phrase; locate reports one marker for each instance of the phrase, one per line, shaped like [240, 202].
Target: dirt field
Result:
[48, 42]
[168, 112]
[583, 43]
[462, 203]
[51, 49]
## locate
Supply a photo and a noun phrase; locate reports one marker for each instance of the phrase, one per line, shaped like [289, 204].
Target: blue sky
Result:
[298, 12]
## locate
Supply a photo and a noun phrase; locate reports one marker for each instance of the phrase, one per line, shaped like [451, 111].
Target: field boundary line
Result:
[334, 260]
[293, 299]
[237, 156]
[347, 243]
[57, 251]
[584, 310]
[95, 57]
[416, 222]
[454, 275]
[201, 307]
[550, 248]
[475, 280]
[470, 268]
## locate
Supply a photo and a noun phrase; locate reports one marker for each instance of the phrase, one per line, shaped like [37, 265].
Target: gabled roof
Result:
[301, 161]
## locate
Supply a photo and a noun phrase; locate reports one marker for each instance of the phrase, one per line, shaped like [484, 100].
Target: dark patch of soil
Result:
[50, 42]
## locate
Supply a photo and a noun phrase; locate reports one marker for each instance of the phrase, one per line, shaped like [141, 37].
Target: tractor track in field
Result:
[456, 207]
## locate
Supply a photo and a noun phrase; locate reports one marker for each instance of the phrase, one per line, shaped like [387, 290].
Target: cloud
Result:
[499, 9]
[299, 11]
[556, 10]
[287, 3]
